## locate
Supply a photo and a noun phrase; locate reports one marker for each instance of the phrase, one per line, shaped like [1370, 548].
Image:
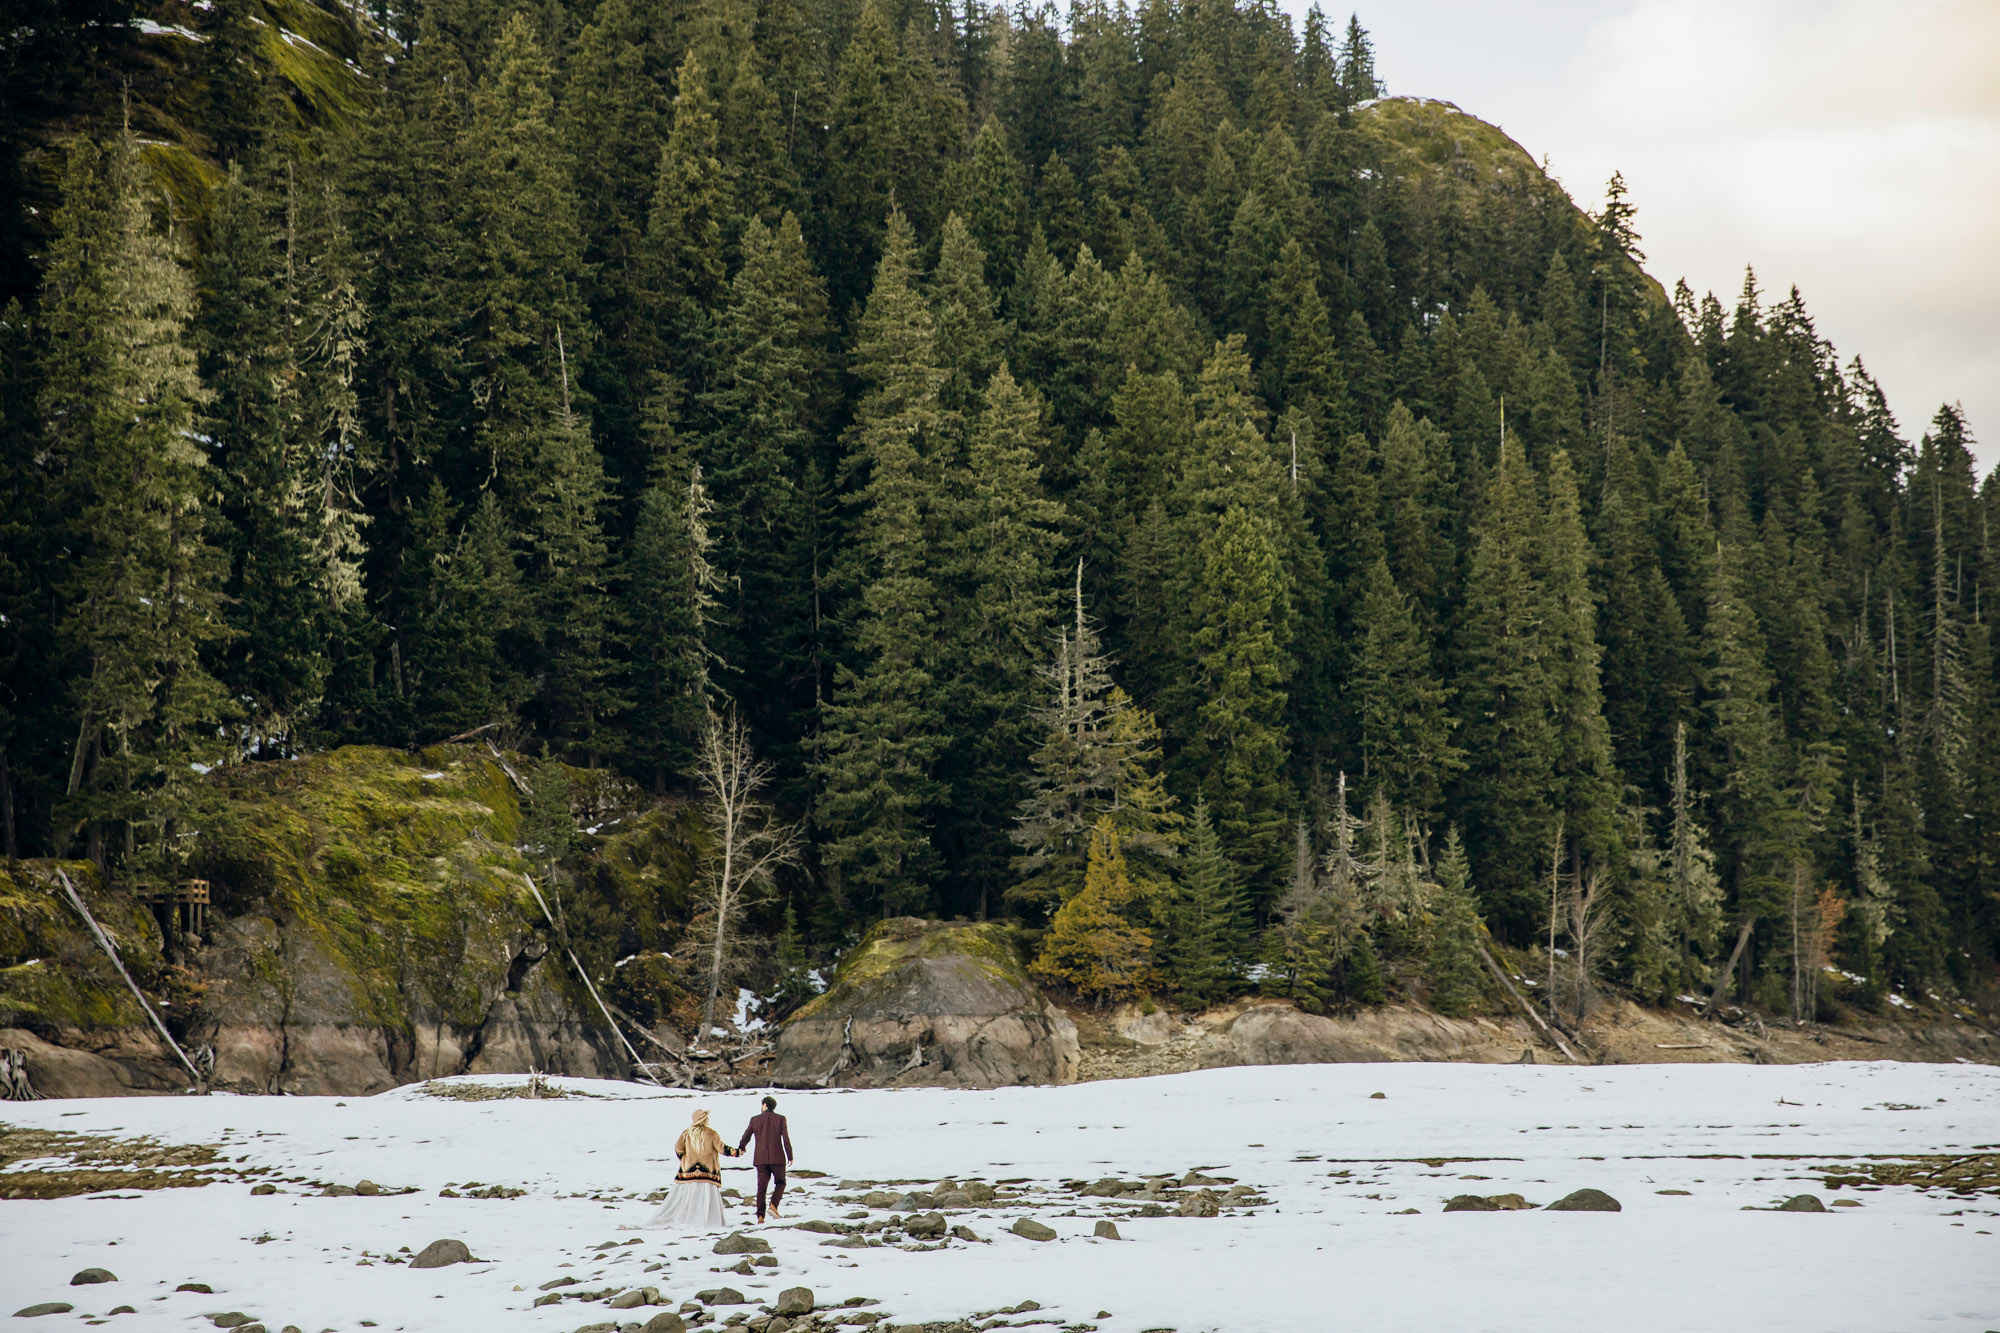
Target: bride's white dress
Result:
[692, 1205]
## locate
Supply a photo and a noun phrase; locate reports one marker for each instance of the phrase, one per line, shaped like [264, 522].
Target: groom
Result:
[774, 1149]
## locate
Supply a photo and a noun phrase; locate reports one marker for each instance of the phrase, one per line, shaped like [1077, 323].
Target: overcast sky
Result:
[1849, 147]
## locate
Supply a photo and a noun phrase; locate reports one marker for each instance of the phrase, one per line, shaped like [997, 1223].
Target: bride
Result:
[696, 1201]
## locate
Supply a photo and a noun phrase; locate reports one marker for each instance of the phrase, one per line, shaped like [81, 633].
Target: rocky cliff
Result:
[372, 925]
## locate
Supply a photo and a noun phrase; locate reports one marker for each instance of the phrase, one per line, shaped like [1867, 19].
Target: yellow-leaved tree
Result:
[1092, 944]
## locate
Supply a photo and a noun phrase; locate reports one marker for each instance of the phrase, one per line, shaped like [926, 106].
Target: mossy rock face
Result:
[392, 879]
[371, 923]
[929, 1003]
[53, 975]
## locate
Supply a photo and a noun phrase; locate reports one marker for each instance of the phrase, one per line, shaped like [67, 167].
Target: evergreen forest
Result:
[1127, 474]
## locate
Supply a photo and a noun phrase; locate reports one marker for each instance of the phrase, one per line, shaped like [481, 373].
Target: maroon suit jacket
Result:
[774, 1139]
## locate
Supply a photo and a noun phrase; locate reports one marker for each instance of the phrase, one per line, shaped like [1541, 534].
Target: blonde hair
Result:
[700, 1143]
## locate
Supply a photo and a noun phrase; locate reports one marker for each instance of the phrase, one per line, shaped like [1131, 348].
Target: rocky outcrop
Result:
[927, 1003]
[371, 925]
[1278, 1034]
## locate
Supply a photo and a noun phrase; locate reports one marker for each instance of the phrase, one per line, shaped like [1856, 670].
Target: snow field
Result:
[1331, 1251]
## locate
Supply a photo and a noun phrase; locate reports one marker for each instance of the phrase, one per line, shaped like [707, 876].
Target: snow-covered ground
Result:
[1331, 1250]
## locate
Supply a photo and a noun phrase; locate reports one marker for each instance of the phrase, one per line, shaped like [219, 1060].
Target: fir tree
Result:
[1452, 967]
[1004, 541]
[883, 730]
[1403, 709]
[1091, 943]
[141, 592]
[1239, 747]
[1206, 940]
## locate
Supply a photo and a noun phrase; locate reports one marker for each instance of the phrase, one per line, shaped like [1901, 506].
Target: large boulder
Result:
[929, 1003]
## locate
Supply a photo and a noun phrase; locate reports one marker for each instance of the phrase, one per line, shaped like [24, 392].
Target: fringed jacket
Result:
[695, 1166]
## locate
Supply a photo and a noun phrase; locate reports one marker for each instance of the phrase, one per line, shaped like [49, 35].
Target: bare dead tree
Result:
[1588, 917]
[747, 843]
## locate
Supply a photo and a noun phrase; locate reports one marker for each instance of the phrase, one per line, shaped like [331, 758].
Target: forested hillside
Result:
[1129, 473]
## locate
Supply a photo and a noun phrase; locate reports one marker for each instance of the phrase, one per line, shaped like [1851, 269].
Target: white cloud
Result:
[1849, 147]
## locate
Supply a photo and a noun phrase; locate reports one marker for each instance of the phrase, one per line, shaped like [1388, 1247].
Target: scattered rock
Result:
[261, 1190]
[666, 1321]
[953, 1199]
[1508, 1203]
[633, 1299]
[555, 1282]
[741, 1267]
[1847, 1203]
[907, 1203]
[1470, 1203]
[604, 1326]
[439, 1253]
[721, 1296]
[1029, 1229]
[1585, 1201]
[1202, 1203]
[201, 1287]
[1197, 1178]
[979, 1192]
[46, 1307]
[925, 1224]
[233, 1319]
[1377, 1096]
[823, 1228]
[251, 1328]
[967, 1233]
[1683, 1193]
[1527, 1056]
[846, 1243]
[1405, 1212]
[90, 1277]
[1107, 1231]
[337, 1192]
[126, 1309]
[368, 1188]
[1802, 1203]
[553, 1298]
[880, 1199]
[766, 1261]
[794, 1301]
[738, 1243]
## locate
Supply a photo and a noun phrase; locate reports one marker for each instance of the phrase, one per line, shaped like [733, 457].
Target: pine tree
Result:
[1001, 550]
[278, 333]
[1585, 783]
[569, 577]
[140, 596]
[1510, 735]
[1239, 747]
[1205, 943]
[529, 321]
[883, 731]
[668, 607]
[1091, 943]
[1403, 709]
[761, 416]
[1452, 967]
[1099, 756]
[466, 628]
[681, 257]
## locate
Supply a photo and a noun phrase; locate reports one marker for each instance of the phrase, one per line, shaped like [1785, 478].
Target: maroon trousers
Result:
[770, 1174]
